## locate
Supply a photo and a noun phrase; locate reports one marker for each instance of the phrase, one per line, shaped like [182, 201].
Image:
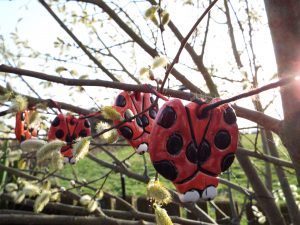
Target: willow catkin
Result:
[45, 152]
[57, 161]
[19, 103]
[92, 206]
[108, 112]
[110, 136]
[55, 195]
[81, 148]
[165, 18]
[113, 136]
[5, 97]
[10, 187]
[41, 201]
[144, 71]
[32, 144]
[14, 155]
[31, 190]
[22, 163]
[19, 197]
[46, 185]
[159, 61]
[151, 11]
[34, 118]
[158, 193]
[85, 200]
[161, 216]
[102, 126]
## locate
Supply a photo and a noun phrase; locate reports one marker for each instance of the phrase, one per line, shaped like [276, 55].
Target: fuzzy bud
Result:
[84, 181]
[262, 220]
[99, 195]
[14, 155]
[57, 161]
[41, 201]
[73, 183]
[92, 206]
[128, 114]
[46, 185]
[108, 112]
[110, 136]
[144, 71]
[161, 216]
[21, 182]
[32, 144]
[101, 126]
[81, 148]
[19, 103]
[45, 152]
[12, 194]
[154, 20]
[113, 137]
[10, 187]
[31, 190]
[158, 193]
[159, 61]
[22, 164]
[165, 18]
[19, 197]
[55, 195]
[62, 189]
[85, 200]
[34, 117]
[151, 11]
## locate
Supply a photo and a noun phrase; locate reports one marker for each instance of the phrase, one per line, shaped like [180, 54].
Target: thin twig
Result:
[183, 43]
[78, 42]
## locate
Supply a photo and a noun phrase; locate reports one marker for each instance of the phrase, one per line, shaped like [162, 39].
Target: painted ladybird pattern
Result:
[23, 129]
[136, 131]
[68, 128]
[191, 149]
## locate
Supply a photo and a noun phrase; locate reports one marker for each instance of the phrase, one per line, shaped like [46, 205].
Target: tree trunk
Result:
[284, 22]
[288, 194]
[268, 169]
[262, 195]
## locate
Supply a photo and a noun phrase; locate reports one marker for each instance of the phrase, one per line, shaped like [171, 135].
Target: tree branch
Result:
[151, 51]
[49, 103]
[271, 159]
[198, 60]
[262, 194]
[119, 169]
[96, 83]
[232, 37]
[59, 219]
[209, 82]
[260, 118]
[235, 186]
[116, 58]
[266, 121]
[114, 214]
